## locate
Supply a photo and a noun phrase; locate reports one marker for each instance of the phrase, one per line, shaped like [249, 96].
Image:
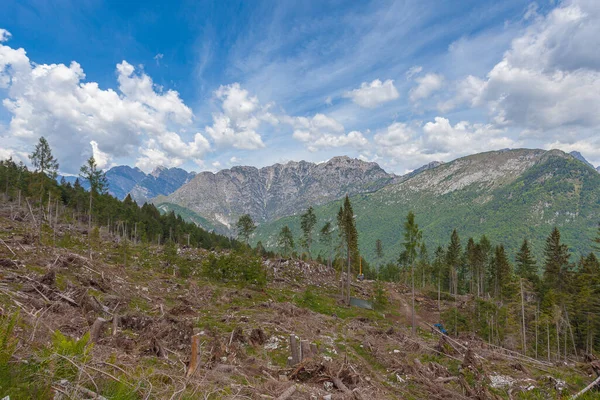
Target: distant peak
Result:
[158, 170]
[581, 158]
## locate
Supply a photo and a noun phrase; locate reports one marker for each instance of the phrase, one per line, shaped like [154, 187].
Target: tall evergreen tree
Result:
[43, 160]
[245, 226]
[96, 179]
[308, 220]
[325, 237]
[596, 241]
[349, 239]
[453, 260]
[556, 262]
[285, 241]
[501, 272]
[411, 244]
[526, 265]
[378, 250]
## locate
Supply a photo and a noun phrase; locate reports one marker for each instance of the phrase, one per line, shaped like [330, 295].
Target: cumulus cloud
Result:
[370, 95]
[549, 79]
[426, 86]
[322, 131]
[240, 117]
[55, 101]
[438, 140]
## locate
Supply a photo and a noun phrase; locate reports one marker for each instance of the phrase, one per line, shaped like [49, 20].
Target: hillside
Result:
[119, 323]
[273, 192]
[507, 195]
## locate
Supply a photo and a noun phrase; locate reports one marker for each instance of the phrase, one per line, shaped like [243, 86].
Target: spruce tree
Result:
[96, 179]
[308, 220]
[526, 265]
[378, 250]
[556, 262]
[348, 238]
[43, 160]
[411, 244]
[596, 240]
[285, 241]
[325, 237]
[245, 226]
[453, 260]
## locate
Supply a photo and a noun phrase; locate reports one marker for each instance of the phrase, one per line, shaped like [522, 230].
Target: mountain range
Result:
[507, 195]
[123, 180]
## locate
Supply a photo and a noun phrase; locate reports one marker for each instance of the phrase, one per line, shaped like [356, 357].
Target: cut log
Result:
[588, 387]
[287, 393]
[96, 329]
[305, 350]
[294, 349]
[195, 356]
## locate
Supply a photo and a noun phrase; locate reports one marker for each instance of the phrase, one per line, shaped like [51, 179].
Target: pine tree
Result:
[501, 272]
[285, 241]
[556, 263]
[596, 240]
[308, 220]
[348, 238]
[453, 260]
[96, 179]
[325, 237]
[245, 226]
[378, 250]
[43, 160]
[411, 244]
[526, 265]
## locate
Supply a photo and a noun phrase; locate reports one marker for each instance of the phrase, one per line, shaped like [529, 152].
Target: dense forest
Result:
[546, 308]
[39, 189]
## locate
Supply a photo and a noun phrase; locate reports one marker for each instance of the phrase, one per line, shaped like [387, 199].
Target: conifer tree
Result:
[43, 160]
[411, 244]
[378, 250]
[285, 241]
[245, 226]
[96, 179]
[308, 220]
[325, 237]
[526, 265]
[501, 272]
[596, 241]
[556, 262]
[453, 260]
[348, 238]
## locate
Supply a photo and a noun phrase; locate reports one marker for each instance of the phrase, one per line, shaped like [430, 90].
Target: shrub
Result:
[235, 267]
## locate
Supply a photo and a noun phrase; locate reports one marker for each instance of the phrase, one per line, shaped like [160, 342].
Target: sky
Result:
[206, 85]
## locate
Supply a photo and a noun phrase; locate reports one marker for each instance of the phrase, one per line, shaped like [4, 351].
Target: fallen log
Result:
[588, 387]
[287, 393]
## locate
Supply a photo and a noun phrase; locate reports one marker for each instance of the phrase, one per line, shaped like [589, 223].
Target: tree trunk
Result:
[414, 328]
[523, 318]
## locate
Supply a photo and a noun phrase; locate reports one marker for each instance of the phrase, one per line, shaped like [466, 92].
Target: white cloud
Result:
[549, 80]
[240, 117]
[102, 159]
[438, 140]
[321, 132]
[427, 85]
[53, 100]
[4, 35]
[370, 95]
[413, 71]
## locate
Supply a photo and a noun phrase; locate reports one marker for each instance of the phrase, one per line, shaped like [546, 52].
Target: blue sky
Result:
[209, 84]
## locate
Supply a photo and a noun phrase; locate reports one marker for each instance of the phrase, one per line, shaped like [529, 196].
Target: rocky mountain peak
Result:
[277, 190]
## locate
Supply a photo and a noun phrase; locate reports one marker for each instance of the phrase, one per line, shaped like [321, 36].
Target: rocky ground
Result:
[148, 326]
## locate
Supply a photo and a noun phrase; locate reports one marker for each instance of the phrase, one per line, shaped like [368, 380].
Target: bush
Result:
[235, 267]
